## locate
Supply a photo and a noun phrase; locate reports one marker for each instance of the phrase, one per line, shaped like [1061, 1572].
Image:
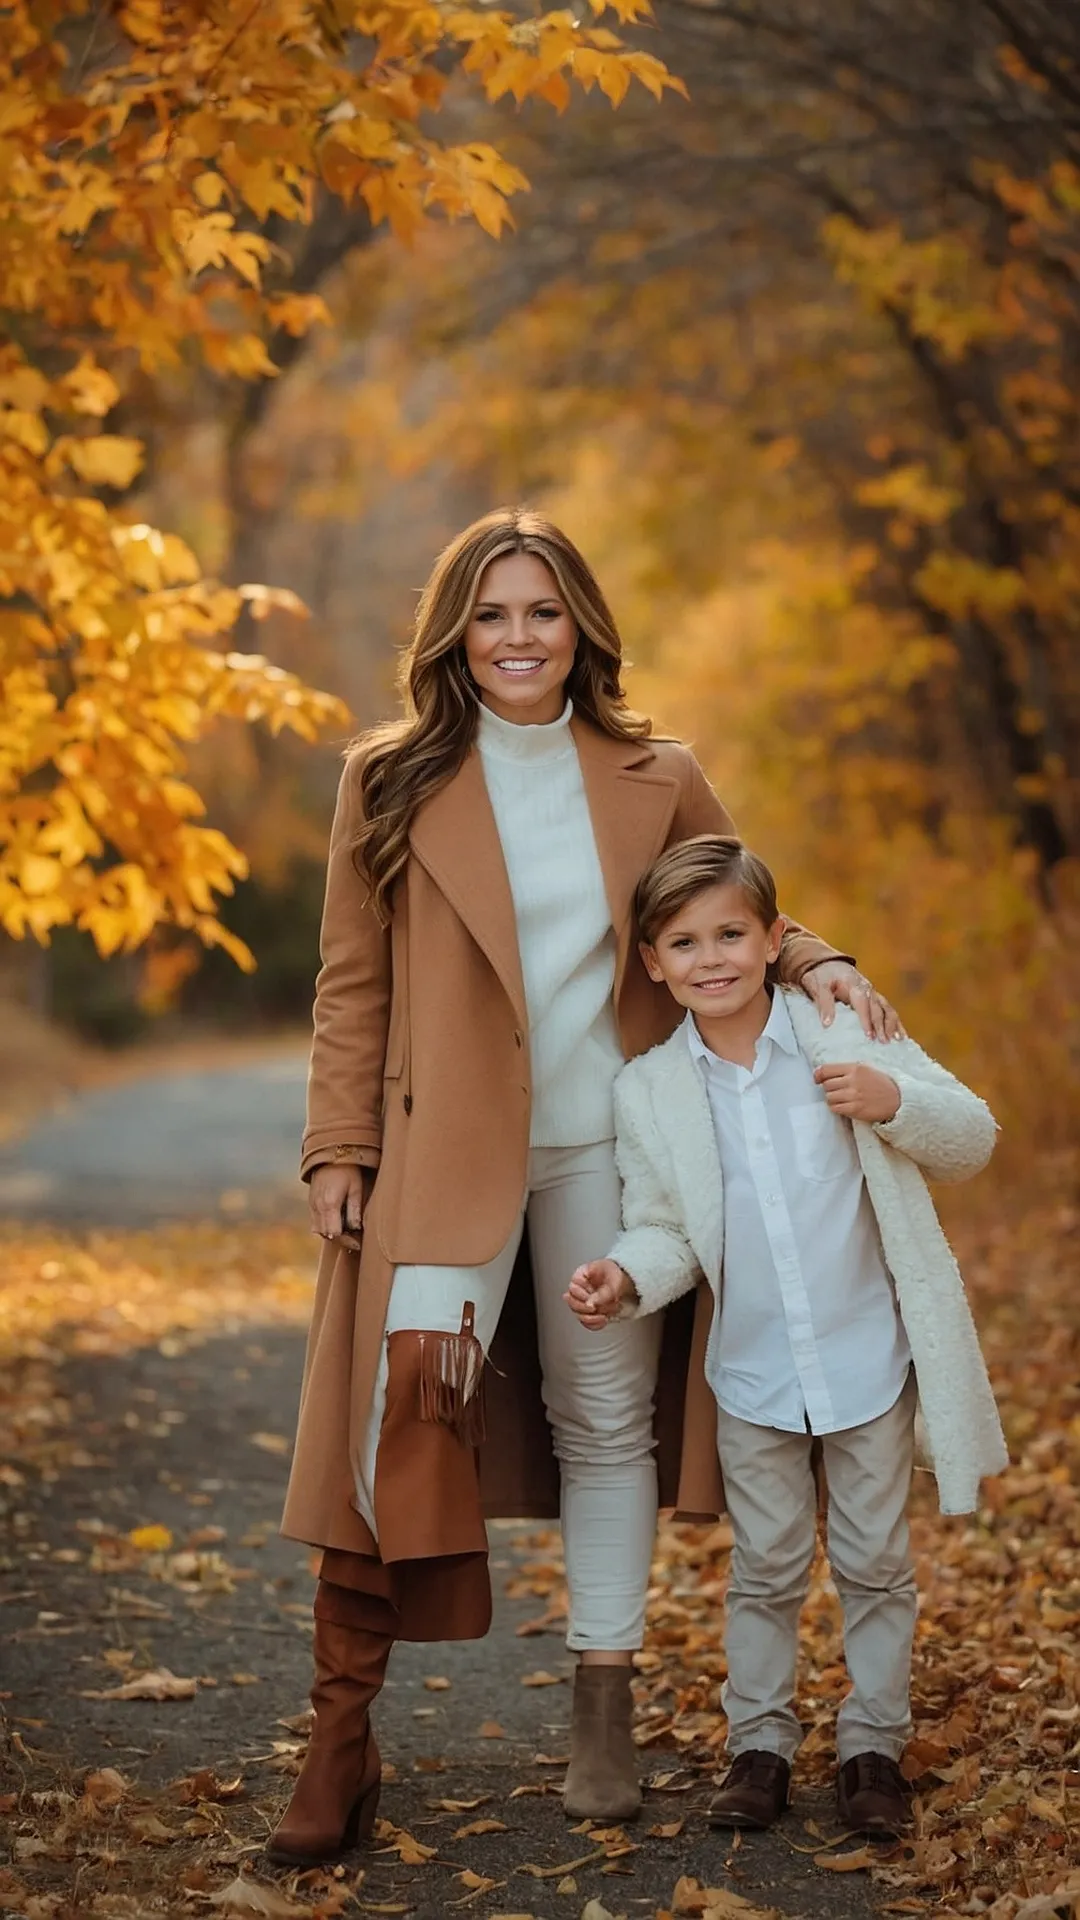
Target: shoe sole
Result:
[743, 1822]
[606, 1816]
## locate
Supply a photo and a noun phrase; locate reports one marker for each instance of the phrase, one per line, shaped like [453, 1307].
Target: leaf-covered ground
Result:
[156, 1636]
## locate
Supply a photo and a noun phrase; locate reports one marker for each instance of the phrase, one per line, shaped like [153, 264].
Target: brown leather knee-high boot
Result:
[336, 1797]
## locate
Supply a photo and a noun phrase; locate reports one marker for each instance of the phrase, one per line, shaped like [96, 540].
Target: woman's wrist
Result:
[830, 959]
[348, 1154]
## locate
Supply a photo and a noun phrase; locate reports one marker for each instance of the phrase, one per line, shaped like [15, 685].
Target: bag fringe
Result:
[452, 1380]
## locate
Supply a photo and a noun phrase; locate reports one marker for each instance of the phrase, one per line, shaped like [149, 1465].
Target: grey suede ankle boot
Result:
[602, 1778]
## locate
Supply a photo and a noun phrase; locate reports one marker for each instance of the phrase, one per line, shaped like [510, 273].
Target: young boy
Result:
[777, 1159]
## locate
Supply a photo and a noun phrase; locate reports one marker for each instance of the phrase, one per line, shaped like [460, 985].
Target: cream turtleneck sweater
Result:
[565, 936]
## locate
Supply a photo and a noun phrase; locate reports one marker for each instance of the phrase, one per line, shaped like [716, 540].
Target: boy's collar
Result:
[777, 1028]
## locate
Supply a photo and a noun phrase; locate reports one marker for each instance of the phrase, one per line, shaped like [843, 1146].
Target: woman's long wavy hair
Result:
[406, 761]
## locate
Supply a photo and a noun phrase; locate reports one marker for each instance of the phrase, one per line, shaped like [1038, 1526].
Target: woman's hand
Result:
[337, 1197]
[596, 1292]
[833, 980]
[859, 1092]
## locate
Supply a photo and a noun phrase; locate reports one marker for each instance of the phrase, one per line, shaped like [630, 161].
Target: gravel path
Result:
[185, 1436]
[185, 1145]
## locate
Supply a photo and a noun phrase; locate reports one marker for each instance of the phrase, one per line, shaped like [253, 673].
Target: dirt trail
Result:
[191, 1435]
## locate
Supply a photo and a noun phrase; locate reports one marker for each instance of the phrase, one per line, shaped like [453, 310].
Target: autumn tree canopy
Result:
[796, 361]
[155, 156]
[845, 281]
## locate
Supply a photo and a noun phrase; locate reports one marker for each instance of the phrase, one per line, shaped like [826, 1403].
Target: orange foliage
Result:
[865, 623]
[143, 150]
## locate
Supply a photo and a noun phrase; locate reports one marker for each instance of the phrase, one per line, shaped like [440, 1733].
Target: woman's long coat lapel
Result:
[455, 838]
[632, 805]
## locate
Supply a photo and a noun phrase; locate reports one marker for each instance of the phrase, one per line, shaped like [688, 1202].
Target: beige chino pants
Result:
[772, 1503]
[598, 1387]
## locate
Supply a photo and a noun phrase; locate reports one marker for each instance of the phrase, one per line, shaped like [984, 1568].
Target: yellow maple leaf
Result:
[296, 312]
[27, 430]
[202, 239]
[39, 873]
[88, 388]
[246, 356]
[152, 1539]
[209, 189]
[24, 387]
[247, 252]
[108, 459]
[90, 192]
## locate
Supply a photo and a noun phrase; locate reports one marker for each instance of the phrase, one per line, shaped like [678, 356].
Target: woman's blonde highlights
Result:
[407, 761]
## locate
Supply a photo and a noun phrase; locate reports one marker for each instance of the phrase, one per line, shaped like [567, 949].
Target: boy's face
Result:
[712, 954]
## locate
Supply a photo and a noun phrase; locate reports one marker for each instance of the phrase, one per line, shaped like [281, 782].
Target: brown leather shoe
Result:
[336, 1797]
[755, 1792]
[873, 1795]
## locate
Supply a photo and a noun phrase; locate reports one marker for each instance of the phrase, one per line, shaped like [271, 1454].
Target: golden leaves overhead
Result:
[133, 185]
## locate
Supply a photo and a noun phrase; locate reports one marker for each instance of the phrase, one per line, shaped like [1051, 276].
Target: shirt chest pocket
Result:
[824, 1143]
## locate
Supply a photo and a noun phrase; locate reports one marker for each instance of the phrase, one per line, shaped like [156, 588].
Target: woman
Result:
[480, 989]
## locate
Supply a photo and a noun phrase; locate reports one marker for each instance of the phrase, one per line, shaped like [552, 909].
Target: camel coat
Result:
[420, 1063]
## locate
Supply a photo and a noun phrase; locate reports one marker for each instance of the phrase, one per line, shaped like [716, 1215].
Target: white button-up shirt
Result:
[808, 1332]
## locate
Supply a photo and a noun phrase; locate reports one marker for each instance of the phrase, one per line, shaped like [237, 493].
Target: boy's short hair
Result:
[684, 871]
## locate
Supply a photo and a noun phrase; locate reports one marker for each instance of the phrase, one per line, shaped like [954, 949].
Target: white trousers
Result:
[772, 1504]
[598, 1387]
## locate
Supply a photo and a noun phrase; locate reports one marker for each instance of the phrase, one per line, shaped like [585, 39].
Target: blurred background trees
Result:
[795, 359]
[175, 181]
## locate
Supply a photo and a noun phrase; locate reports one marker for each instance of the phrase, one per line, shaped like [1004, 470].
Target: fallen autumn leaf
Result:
[567, 1866]
[252, 1896]
[856, 1862]
[105, 1788]
[151, 1539]
[716, 1903]
[155, 1684]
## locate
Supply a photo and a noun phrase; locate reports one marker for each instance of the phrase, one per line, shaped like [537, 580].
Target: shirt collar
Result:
[777, 1028]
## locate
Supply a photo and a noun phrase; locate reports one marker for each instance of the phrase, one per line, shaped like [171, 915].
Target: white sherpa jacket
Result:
[673, 1214]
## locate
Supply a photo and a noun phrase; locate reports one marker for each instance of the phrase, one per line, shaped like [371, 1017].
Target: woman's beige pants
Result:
[598, 1387]
[772, 1504]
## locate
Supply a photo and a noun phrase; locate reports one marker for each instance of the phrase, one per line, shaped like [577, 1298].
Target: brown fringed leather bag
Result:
[452, 1379]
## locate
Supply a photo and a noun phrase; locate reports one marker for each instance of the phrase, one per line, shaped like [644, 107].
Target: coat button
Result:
[408, 1103]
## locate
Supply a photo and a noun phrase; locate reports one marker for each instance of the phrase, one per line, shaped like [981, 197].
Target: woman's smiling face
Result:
[520, 641]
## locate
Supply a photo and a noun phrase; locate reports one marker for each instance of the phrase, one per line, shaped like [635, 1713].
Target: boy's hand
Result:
[595, 1292]
[859, 1092]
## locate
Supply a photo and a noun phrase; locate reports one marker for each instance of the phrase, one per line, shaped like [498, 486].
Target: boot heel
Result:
[361, 1822]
